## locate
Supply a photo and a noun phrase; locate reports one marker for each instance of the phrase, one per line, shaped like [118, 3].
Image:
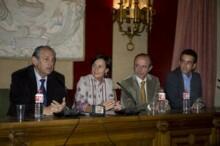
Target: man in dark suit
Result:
[26, 83]
[184, 79]
[132, 95]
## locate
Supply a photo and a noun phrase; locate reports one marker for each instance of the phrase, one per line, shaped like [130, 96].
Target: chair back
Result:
[4, 102]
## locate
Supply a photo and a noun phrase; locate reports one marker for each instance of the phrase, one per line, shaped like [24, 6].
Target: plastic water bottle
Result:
[186, 102]
[38, 110]
[161, 98]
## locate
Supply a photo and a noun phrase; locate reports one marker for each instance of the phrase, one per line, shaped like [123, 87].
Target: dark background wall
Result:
[98, 37]
[98, 33]
[161, 38]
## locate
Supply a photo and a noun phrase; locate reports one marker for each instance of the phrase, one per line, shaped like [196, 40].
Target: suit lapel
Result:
[135, 89]
[192, 84]
[181, 83]
[149, 88]
[49, 89]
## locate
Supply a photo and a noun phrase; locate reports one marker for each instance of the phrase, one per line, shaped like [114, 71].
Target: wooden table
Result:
[171, 129]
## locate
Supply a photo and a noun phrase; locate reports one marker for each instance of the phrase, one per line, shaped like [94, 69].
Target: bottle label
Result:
[161, 96]
[186, 95]
[39, 98]
[98, 110]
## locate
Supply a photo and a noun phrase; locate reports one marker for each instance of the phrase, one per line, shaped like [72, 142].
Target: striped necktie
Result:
[143, 93]
[43, 90]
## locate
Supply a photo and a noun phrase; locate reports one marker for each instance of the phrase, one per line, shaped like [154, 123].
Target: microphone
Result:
[219, 82]
[127, 93]
[128, 111]
[68, 112]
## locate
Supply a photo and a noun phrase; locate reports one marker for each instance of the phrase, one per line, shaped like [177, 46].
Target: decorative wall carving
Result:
[25, 24]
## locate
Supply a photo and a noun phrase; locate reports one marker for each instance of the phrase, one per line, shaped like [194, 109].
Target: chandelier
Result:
[133, 17]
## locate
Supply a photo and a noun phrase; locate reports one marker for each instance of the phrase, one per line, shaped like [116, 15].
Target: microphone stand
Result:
[128, 111]
[218, 86]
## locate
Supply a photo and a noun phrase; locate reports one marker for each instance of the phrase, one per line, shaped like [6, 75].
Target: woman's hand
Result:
[112, 104]
[109, 104]
[87, 108]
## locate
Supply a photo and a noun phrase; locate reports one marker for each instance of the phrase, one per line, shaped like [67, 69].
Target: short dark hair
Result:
[37, 50]
[143, 55]
[108, 61]
[191, 53]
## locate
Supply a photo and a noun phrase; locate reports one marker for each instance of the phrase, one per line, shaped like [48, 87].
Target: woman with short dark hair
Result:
[96, 88]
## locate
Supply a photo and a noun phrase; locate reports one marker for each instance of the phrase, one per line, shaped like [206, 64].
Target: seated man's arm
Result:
[172, 92]
[20, 94]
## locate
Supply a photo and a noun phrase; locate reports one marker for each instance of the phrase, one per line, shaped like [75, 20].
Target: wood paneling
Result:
[159, 130]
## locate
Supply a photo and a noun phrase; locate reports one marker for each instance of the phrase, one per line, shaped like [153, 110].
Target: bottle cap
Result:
[161, 96]
[39, 98]
[186, 95]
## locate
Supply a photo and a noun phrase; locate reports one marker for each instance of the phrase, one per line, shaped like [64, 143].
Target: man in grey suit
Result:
[184, 79]
[141, 88]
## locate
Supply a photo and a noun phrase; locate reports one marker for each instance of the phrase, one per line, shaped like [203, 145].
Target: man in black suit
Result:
[184, 79]
[26, 83]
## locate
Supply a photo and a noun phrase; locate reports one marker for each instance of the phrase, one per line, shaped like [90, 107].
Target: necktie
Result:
[143, 93]
[43, 90]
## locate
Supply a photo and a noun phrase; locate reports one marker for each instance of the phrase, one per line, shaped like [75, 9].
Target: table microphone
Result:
[126, 92]
[218, 86]
[68, 112]
[128, 111]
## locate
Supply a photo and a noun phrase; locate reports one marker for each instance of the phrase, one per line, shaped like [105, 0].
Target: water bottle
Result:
[186, 102]
[162, 98]
[38, 110]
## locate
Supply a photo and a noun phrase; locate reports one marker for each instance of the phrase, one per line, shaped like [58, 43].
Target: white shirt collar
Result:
[139, 80]
[97, 81]
[38, 77]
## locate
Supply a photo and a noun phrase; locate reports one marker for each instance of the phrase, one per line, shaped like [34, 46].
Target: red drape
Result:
[161, 38]
[98, 35]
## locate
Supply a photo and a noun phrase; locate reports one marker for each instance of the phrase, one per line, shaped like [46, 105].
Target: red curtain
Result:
[161, 37]
[98, 36]
[98, 33]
